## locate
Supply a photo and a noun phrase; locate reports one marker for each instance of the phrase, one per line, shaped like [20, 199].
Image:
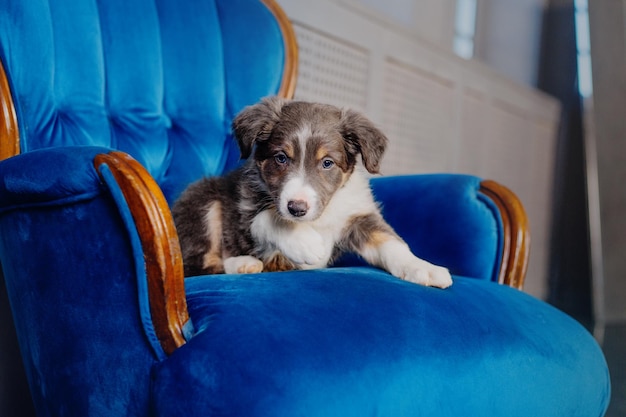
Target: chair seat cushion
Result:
[359, 342]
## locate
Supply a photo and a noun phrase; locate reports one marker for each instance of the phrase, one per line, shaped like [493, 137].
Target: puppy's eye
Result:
[280, 158]
[327, 163]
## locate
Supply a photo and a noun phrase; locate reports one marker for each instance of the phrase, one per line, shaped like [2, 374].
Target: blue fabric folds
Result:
[358, 342]
[446, 220]
[51, 177]
[159, 79]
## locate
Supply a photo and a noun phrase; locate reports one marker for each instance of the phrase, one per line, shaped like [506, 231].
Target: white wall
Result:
[508, 36]
[441, 113]
[508, 32]
[431, 20]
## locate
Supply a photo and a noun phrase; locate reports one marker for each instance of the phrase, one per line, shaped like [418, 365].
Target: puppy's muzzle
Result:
[298, 208]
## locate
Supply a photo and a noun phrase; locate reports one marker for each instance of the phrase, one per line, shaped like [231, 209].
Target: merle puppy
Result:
[301, 198]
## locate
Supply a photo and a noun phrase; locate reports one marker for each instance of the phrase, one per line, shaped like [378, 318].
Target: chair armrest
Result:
[59, 177]
[48, 177]
[159, 241]
[10, 144]
[516, 244]
[475, 228]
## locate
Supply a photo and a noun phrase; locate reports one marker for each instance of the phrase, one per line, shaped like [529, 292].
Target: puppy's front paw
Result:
[424, 273]
[242, 265]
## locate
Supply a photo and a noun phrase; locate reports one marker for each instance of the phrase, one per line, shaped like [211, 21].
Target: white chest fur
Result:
[310, 244]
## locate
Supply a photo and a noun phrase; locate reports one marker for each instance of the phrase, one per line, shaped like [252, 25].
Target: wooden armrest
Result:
[516, 245]
[161, 249]
[9, 133]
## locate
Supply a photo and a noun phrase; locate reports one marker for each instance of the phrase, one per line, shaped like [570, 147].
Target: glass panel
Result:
[583, 45]
[585, 83]
[465, 21]
[464, 47]
[582, 31]
[464, 28]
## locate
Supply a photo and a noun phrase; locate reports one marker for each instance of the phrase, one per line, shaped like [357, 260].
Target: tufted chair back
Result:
[158, 79]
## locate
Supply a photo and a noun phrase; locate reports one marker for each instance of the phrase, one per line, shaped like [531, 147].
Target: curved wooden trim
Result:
[290, 68]
[159, 240]
[9, 132]
[516, 245]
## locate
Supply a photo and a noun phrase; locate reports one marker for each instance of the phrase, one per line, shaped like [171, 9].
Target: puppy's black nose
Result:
[297, 208]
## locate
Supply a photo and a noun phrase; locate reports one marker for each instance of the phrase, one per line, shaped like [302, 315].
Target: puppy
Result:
[300, 200]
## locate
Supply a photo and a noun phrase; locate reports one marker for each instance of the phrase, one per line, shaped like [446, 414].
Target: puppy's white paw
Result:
[305, 246]
[424, 273]
[242, 265]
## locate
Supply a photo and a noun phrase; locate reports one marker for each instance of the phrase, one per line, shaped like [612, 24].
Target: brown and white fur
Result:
[300, 200]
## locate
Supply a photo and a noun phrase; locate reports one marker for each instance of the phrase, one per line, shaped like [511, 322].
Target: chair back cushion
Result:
[445, 219]
[159, 79]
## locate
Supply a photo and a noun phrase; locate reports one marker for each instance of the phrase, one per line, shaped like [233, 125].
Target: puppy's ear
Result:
[361, 133]
[255, 123]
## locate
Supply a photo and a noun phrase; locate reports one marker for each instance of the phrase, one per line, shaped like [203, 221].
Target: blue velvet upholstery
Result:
[462, 230]
[71, 276]
[161, 79]
[143, 76]
[357, 342]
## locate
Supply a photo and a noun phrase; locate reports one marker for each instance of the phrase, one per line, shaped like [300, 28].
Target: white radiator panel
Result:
[418, 116]
[331, 71]
[473, 134]
[508, 149]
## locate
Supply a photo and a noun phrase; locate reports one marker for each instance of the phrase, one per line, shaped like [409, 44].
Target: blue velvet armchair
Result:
[109, 108]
